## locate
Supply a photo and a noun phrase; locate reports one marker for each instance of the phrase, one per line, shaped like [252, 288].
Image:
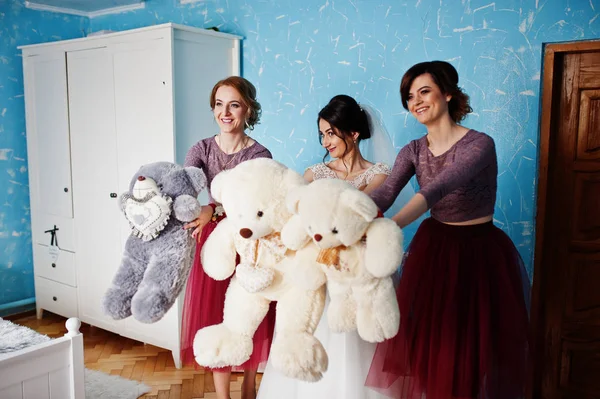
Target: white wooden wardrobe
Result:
[97, 109]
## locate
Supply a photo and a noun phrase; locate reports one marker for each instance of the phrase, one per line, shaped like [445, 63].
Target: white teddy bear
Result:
[359, 253]
[253, 197]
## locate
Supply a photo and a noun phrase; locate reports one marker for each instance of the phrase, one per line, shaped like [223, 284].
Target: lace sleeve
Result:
[321, 171]
[381, 169]
[262, 153]
[404, 168]
[196, 156]
[377, 169]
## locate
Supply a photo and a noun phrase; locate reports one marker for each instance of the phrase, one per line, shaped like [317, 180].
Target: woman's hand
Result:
[199, 223]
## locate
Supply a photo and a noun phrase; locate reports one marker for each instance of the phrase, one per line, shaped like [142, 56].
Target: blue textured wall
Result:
[299, 54]
[19, 26]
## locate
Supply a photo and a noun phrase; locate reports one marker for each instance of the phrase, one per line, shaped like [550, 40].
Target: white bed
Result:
[48, 370]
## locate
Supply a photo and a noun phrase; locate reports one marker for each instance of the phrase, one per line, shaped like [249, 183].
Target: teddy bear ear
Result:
[292, 199]
[360, 203]
[197, 178]
[217, 185]
[292, 179]
[294, 183]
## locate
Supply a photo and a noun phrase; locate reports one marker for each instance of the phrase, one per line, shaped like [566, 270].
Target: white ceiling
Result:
[85, 7]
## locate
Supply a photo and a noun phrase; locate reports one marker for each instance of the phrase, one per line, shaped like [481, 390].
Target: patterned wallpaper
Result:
[19, 26]
[299, 54]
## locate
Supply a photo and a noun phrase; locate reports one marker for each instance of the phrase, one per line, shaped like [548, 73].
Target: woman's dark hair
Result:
[445, 76]
[345, 116]
[247, 92]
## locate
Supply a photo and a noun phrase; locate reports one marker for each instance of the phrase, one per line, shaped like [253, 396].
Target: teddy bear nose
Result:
[246, 233]
[141, 178]
[318, 237]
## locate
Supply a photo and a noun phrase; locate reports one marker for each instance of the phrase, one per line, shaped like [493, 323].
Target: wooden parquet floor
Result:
[117, 355]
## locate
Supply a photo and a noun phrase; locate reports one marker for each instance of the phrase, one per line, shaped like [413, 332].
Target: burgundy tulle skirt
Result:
[463, 297]
[203, 306]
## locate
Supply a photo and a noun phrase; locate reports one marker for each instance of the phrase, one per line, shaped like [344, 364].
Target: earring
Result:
[247, 125]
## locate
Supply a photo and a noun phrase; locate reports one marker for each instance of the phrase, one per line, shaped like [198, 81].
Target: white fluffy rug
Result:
[98, 385]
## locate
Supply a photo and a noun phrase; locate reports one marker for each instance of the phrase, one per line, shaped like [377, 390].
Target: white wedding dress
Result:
[349, 361]
[349, 356]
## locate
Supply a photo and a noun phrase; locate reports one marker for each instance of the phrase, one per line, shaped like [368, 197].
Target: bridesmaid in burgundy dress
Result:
[463, 292]
[234, 105]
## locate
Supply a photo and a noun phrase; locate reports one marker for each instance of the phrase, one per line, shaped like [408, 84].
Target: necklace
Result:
[224, 166]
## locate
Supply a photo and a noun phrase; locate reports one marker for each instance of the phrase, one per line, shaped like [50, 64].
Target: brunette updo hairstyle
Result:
[346, 117]
[248, 93]
[445, 76]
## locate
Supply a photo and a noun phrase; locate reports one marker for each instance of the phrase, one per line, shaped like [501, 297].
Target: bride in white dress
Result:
[343, 124]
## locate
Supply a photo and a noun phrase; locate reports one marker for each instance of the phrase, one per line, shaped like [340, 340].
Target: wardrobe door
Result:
[143, 105]
[45, 79]
[95, 171]
[144, 123]
[48, 147]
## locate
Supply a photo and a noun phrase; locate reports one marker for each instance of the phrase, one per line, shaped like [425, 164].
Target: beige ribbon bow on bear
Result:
[331, 257]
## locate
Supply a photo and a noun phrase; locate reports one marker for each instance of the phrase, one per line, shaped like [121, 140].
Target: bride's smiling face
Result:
[333, 140]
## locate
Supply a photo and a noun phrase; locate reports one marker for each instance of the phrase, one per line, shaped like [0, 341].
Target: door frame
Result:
[547, 121]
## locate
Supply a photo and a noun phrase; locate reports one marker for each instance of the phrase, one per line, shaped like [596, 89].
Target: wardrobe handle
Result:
[113, 195]
[54, 265]
[66, 189]
[54, 298]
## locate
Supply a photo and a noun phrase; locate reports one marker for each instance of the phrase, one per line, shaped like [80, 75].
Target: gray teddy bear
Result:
[159, 253]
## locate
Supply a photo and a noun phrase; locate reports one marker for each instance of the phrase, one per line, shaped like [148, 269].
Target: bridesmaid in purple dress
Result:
[463, 290]
[234, 105]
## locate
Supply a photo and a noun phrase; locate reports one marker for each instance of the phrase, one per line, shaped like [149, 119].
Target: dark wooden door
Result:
[567, 276]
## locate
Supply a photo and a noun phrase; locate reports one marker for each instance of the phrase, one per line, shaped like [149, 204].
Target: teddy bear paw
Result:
[117, 303]
[217, 346]
[300, 356]
[148, 306]
[377, 328]
[371, 332]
